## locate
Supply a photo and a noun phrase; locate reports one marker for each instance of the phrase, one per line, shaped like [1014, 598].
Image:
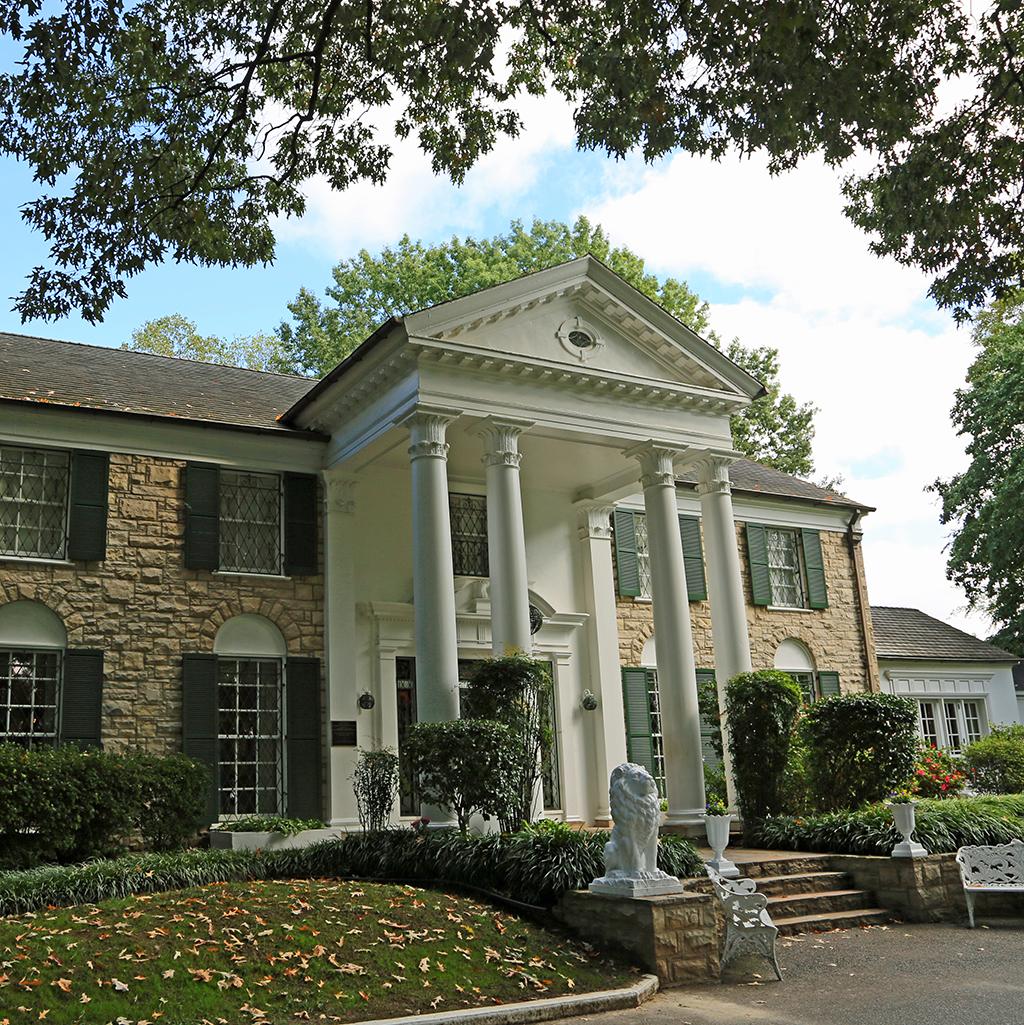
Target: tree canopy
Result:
[983, 504]
[176, 335]
[369, 288]
[181, 129]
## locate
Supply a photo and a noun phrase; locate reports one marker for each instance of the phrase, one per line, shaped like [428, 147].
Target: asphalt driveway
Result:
[883, 975]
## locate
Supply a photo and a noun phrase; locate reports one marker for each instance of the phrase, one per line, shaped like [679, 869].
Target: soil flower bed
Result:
[282, 951]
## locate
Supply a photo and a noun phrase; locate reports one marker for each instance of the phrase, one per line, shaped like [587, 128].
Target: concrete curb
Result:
[536, 1010]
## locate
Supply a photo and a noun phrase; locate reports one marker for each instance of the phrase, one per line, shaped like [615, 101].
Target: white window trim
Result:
[58, 711]
[61, 560]
[801, 569]
[941, 729]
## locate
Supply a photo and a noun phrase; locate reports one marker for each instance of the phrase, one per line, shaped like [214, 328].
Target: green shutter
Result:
[199, 722]
[625, 553]
[693, 558]
[300, 524]
[757, 556]
[87, 522]
[81, 698]
[814, 564]
[637, 706]
[707, 728]
[305, 738]
[828, 684]
[202, 516]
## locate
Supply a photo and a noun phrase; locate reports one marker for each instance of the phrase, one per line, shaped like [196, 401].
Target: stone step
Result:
[796, 905]
[832, 920]
[803, 882]
[786, 865]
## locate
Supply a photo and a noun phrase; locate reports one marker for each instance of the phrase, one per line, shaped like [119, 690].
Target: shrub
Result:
[375, 782]
[534, 867]
[859, 747]
[761, 708]
[270, 824]
[937, 774]
[714, 784]
[515, 690]
[942, 827]
[996, 762]
[64, 804]
[469, 765]
[796, 783]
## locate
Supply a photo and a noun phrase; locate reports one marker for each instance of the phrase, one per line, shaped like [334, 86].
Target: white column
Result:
[725, 586]
[607, 721]
[506, 537]
[340, 641]
[677, 677]
[437, 653]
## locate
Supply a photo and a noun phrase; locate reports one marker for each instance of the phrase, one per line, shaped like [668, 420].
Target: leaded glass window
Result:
[551, 784]
[33, 502]
[657, 732]
[643, 554]
[250, 735]
[469, 535]
[405, 685]
[250, 522]
[784, 568]
[29, 686]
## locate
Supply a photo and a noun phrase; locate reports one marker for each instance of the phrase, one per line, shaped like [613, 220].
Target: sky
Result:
[773, 256]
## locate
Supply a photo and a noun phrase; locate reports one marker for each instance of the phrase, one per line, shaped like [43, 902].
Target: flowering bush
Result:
[937, 774]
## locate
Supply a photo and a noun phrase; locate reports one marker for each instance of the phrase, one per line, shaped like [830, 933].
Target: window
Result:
[405, 685]
[250, 735]
[33, 502]
[951, 724]
[657, 736]
[250, 522]
[29, 688]
[643, 554]
[784, 571]
[469, 535]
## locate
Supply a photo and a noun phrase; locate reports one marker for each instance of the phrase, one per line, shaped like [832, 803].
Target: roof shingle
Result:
[121, 381]
[910, 633]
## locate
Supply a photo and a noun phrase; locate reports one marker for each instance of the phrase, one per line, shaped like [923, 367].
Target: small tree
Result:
[467, 765]
[760, 710]
[515, 690]
[375, 782]
[860, 747]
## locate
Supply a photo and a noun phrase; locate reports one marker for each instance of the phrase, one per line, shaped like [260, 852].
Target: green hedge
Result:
[942, 826]
[534, 867]
[65, 804]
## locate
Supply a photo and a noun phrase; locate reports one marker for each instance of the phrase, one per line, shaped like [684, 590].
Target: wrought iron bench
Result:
[748, 926]
[997, 869]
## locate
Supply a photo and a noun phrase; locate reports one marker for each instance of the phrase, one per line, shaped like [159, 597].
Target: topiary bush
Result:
[996, 763]
[534, 867]
[760, 709]
[860, 747]
[375, 782]
[65, 804]
[943, 826]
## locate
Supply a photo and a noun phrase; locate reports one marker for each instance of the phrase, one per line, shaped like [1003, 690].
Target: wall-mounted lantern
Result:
[589, 701]
[366, 700]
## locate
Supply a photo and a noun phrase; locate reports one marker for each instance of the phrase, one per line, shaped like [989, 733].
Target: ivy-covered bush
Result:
[375, 783]
[761, 709]
[65, 804]
[860, 747]
[943, 826]
[535, 867]
[996, 762]
[469, 765]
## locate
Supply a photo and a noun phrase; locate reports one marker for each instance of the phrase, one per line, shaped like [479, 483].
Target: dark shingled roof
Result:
[754, 478]
[117, 380]
[909, 633]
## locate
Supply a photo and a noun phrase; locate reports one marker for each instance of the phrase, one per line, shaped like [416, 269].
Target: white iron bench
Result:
[748, 926]
[997, 869]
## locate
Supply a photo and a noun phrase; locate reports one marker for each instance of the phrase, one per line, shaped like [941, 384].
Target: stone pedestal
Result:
[675, 936]
[611, 886]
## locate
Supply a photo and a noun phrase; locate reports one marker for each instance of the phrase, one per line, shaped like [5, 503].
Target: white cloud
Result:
[856, 334]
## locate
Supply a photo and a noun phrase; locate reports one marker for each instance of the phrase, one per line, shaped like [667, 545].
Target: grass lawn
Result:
[269, 952]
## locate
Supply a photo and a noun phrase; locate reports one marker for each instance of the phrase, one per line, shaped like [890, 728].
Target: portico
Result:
[549, 399]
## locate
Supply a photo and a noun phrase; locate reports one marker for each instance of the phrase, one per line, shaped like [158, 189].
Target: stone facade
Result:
[144, 610]
[835, 636]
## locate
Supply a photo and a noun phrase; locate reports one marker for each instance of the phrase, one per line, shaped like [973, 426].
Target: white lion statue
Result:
[631, 855]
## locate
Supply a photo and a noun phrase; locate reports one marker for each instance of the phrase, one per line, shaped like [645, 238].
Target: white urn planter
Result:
[904, 815]
[717, 828]
[232, 840]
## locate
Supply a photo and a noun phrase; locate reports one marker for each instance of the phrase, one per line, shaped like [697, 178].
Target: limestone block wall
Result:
[144, 610]
[835, 636]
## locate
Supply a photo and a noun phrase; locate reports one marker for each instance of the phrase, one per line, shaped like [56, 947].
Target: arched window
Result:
[794, 657]
[250, 716]
[32, 643]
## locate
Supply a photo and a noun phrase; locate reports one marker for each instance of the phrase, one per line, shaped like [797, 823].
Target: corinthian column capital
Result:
[595, 521]
[428, 427]
[656, 463]
[501, 439]
[341, 492]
